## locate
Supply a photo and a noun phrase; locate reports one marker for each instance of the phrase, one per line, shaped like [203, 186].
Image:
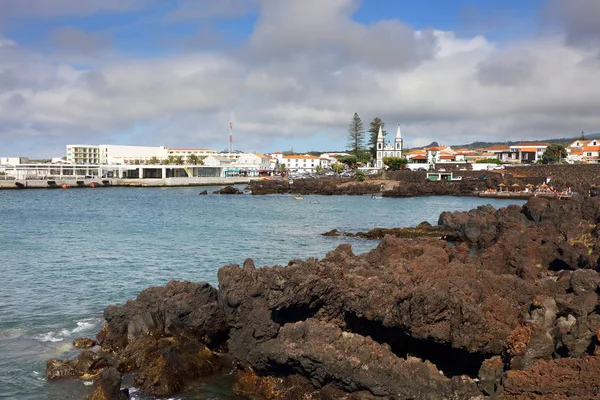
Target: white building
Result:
[244, 163]
[13, 160]
[584, 151]
[529, 152]
[388, 149]
[303, 163]
[122, 155]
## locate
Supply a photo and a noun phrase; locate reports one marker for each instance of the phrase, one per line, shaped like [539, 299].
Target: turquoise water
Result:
[67, 254]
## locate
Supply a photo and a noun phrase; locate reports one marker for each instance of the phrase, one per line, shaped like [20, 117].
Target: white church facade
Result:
[388, 149]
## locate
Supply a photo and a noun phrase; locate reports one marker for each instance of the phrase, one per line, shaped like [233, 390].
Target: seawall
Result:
[88, 183]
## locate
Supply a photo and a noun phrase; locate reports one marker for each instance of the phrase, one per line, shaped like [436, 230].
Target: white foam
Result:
[86, 324]
[49, 337]
[88, 383]
[64, 334]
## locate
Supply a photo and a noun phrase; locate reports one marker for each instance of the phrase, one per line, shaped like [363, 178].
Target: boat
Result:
[297, 197]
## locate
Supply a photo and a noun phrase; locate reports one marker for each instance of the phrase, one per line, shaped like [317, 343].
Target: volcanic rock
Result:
[108, 386]
[169, 364]
[228, 190]
[84, 343]
[182, 309]
[510, 310]
[86, 365]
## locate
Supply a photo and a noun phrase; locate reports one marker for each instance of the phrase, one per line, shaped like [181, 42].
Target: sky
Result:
[290, 74]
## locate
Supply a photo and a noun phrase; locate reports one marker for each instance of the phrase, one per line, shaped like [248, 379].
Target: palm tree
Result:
[193, 159]
[178, 160]
[153, 160]
[282, 169]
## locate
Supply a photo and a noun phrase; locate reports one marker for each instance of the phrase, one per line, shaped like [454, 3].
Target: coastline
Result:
[484, 316]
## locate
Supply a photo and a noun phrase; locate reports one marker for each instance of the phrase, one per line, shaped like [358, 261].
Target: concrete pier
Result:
[103, 182]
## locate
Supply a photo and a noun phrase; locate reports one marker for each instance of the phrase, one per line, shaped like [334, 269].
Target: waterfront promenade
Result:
[104, 182]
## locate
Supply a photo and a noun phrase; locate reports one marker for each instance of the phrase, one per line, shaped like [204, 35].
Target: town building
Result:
[387, 149]
[501, 152]
[584, 151]
[13, 160]
[527, 153]
[301, 163]
[123, 155]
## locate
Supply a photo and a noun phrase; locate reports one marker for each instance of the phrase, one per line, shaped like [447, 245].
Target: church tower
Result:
[380, 148]
[398, 143]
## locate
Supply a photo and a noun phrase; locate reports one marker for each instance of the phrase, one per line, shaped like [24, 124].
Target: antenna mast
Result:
[230, 137]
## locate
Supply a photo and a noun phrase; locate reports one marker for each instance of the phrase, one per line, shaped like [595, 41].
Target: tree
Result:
[318, 169]
[193, 159]
[153, 160]
[337, 168]
[395, 163]
[374, 131]
[360, 176]
[356, 135]
[350, 161]
[364, 156]
[178, 160]
[554, 153]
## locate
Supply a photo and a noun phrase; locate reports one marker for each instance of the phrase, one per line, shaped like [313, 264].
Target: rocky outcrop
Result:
[228, 190]
[510, 309]
[422, 230]
[84, 343]
[108, 386]
[86, 365]
[322, 185]
[180, 309]
[167, 335]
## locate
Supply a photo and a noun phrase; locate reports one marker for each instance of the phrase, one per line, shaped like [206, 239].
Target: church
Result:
[388, 149]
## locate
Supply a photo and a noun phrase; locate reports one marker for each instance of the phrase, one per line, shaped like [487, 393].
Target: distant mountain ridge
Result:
[565, 141]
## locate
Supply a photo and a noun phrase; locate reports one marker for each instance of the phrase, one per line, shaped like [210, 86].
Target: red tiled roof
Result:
[498, 147]
[591, 148]
[531, 144]
[435, 148]
[419, 157]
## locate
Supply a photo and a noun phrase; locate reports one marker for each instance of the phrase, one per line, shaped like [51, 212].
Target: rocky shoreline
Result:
[578, 178]
[509, 309]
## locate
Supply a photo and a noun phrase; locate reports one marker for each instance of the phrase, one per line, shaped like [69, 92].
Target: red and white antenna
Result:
[230, 136]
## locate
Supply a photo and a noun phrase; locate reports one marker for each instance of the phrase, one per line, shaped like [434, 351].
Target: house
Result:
[301, 163]
[417, 157]
[585, 151]
[528, 152]
[501, 152]
[435, 153]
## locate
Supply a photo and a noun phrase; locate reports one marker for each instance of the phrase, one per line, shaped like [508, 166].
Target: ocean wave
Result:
[66, 334]
[86, 324]
[52, 336]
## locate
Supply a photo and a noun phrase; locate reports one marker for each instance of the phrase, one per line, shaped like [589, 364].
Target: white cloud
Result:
[303, 72]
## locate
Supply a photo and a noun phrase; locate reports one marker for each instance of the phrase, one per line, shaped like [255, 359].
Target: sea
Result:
[67, 254]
